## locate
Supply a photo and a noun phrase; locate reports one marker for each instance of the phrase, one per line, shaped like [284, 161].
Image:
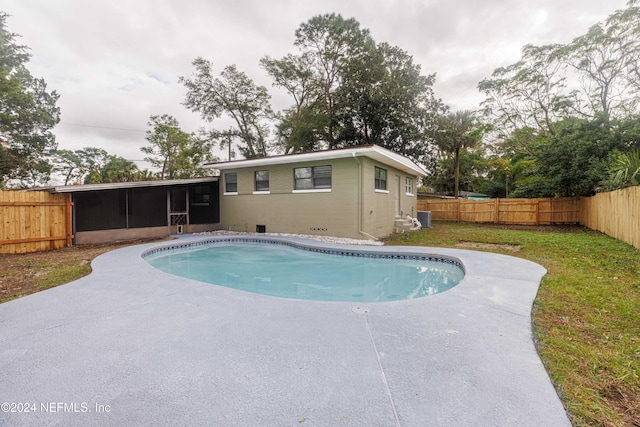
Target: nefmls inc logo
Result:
[67, 407]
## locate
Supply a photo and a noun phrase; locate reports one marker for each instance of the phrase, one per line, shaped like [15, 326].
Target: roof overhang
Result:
[373, 152]
[119, 185]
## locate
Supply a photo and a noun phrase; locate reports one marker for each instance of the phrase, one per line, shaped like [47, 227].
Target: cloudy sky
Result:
[116, 62]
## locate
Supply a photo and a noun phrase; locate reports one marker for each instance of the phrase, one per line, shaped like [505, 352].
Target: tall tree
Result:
[28, 111]
[348, 90]
[332, 42]
[532, 93]
[302, 127]
[176, 153]
[454, 133]
[385, 100]
[237, 96]
[599, 58]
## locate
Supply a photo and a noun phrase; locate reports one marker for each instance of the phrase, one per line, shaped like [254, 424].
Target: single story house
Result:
[148, 209]
[358, 192]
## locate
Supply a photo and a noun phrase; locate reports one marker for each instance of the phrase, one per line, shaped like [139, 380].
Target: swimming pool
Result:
[288, 270]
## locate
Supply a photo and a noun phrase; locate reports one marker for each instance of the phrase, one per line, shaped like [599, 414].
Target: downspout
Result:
[360, 201]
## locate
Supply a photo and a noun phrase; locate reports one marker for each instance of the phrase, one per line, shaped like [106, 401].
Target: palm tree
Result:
[625, 170]
[455, 132]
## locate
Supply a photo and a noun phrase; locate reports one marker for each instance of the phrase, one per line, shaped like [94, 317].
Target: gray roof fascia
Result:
[119, 185]
[374, 152]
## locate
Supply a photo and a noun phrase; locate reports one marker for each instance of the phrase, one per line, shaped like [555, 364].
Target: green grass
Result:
[61, 275]
[586, 315]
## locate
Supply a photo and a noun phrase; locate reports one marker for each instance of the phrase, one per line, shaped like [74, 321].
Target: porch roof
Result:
[118, 185]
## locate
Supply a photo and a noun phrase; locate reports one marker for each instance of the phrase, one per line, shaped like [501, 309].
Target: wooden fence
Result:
[505, 211]
[616, 213]
[32, 221]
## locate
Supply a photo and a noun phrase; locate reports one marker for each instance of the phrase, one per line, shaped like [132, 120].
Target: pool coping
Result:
[157, 348]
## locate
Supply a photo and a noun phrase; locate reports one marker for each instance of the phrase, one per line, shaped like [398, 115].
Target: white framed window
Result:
[261, 181]
[312, 178]
[380, 179]
[408, 186]
[230, 183]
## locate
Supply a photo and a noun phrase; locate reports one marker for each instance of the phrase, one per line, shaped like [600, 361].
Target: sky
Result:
[115, 63]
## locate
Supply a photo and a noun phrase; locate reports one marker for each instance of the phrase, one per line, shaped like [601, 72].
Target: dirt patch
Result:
[20, 274]
[477, 245]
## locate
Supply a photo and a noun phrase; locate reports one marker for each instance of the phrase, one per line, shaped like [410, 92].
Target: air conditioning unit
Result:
[425, 218]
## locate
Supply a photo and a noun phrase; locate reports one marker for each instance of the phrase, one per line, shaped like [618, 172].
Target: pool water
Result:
[288, 272]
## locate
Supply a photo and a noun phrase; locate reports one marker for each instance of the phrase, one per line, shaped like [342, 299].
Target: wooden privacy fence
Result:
[32, 221]
[617, 214]
[505, 211]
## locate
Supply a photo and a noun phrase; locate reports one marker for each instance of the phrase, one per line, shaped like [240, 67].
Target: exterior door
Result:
[178, 211]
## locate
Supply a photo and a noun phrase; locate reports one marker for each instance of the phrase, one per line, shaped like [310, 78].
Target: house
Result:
[358, 192]
[147, 209]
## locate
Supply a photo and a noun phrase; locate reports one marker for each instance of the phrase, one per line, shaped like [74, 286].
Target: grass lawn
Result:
[586, 317]
[24, 274]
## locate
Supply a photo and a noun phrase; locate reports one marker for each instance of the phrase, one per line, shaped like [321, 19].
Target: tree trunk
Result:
[456, 174]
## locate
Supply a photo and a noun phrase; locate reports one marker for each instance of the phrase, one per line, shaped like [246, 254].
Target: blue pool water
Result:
[289, 272]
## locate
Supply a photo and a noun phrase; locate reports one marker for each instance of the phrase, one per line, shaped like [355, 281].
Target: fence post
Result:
[497, 217]
[458, 209]
[69, 219]
[537, 212]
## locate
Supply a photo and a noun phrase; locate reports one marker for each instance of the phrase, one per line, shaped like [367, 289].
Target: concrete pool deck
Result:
[132, 345]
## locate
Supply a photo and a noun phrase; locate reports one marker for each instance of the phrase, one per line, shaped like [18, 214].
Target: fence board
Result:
[32, 221]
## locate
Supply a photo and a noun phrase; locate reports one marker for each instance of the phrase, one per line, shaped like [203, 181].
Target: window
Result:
[312, 178]
[200, 195]
[409, 186]
[230, 183]
[381, 179]
[262, 180]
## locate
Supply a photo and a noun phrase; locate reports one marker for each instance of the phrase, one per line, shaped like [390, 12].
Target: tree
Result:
[574, 161]
[75, 166]
[301, 131]
[237, 96]
[69, 164]
[117, 169]
[348, 90]
[302, 127]
[384, 100]
[455, 132]
[624, 25]
[600, 59]
[176, 153]
[532, 93]
[562, 112]
[331, 42]
[624, 170]
[27, 112]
